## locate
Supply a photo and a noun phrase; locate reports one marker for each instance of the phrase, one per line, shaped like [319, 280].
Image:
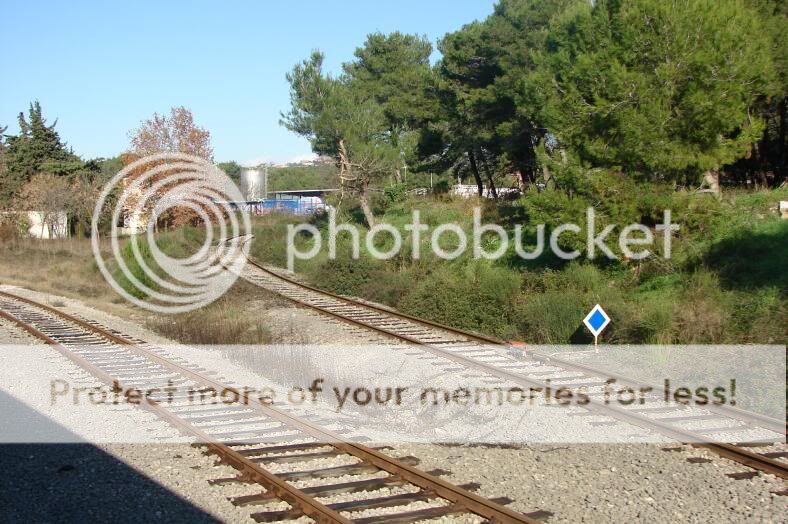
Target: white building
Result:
[39, 224]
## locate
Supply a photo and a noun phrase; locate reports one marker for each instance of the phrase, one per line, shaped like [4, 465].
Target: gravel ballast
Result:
[590, 483]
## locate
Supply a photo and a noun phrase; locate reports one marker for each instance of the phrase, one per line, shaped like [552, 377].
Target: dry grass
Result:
[64, 267]
[67, 268]
[225, 321]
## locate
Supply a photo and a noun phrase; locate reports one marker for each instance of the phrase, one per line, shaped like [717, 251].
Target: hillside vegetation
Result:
[725, 281]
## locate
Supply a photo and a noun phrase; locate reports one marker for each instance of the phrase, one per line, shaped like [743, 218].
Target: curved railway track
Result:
[254, 437]
[482, 354]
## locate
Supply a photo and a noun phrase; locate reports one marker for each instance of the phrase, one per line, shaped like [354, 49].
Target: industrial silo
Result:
[253, 183]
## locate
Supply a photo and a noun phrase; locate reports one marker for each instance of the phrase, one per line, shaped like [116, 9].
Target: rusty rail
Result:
[730, 451]
[463, 501]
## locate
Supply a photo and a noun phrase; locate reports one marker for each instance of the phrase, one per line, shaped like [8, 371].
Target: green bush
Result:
[478, 299]
[179, 243]
[136, 269]
[270, 239]
[723, 284]
[550, 317]
[395, 193]
[343, 275]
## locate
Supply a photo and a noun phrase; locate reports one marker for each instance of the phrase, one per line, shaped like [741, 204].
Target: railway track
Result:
[483, 355]
[271, 447]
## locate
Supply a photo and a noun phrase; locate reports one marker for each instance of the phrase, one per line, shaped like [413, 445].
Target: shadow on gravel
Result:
[75, 482]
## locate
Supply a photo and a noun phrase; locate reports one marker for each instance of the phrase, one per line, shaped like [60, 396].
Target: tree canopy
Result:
[36, 149]
[655, 89]
[365, 117]
[176, 133]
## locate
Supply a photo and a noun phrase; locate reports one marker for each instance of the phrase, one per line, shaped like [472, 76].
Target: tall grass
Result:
[178, 243]
[221, 322]
[61, 266]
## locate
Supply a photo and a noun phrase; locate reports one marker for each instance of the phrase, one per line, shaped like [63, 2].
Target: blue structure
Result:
[302, 203]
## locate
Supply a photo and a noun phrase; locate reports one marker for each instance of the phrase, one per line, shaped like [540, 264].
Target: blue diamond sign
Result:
[597, 320]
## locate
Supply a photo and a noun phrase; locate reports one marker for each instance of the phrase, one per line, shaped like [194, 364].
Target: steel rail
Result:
[461, 498]
[763, 421]
[730, 451]
[308, 505]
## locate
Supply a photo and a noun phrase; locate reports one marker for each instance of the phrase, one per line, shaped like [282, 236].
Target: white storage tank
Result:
[253, 183]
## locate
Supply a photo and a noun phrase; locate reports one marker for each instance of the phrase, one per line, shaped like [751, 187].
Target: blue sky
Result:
[100, 68]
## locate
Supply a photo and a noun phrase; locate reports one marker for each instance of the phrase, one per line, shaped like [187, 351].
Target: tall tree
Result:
[37, 148]
[364, 118]
[458, 128]
[769, 158]
[662, 88]
[518, 30]
[479, 75]
[176, 133]
[394, 69]
[344, 122]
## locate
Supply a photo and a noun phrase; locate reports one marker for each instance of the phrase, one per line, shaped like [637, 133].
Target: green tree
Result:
[108, 167]
[394, 69]
[480, 124]
[458, 128]
[320, 176]
[770, 154]
[518, 29]
[37, 148]
[233, 170]
[343, 119]
[661, 88]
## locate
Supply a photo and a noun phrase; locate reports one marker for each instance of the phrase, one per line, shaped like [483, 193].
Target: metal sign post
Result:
[596, 321]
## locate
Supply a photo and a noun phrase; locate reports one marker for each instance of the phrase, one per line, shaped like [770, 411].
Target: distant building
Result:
[47, 225]
[305, 162]
[472, 190]
[298, 202]
[38, 224]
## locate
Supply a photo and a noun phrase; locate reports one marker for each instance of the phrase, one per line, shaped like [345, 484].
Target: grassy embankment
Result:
[725, 282]
[67, 268]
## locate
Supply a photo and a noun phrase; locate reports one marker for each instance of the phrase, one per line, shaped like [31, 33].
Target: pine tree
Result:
[481, 119]
[664, 89]
[37, 148]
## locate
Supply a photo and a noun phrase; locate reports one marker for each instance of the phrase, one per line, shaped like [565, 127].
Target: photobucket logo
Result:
[176, 188]
[631, 236]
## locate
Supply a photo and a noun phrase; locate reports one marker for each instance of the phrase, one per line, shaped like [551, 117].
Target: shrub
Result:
[395, 193]
[343, 275]
[389, 287]
[702, 314]
[723, 284]
[270, 239]
[177, 243]
[478, 299]
[551, 317]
